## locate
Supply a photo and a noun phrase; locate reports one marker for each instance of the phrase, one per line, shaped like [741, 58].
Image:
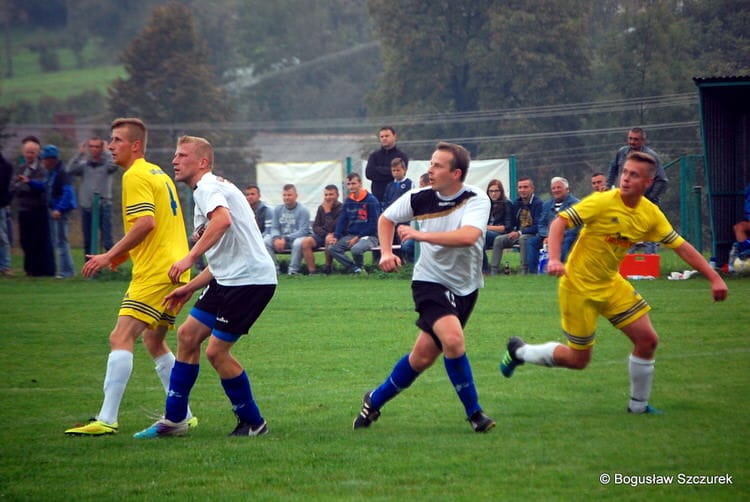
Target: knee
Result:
[188, 341]
[215, 356]
[645, 346]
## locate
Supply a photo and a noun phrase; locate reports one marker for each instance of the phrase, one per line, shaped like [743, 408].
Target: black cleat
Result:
[480, 422]
[510, 361]
[245, 429]
[368, 414]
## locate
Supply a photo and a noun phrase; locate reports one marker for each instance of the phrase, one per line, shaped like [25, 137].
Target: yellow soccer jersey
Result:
[149, 191]
[610, 228]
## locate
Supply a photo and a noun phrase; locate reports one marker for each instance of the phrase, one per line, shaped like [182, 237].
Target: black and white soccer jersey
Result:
[457, 268]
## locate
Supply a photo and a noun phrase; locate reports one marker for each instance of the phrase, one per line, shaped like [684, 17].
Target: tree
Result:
[169, 81]
[721, 30]
[305, 58]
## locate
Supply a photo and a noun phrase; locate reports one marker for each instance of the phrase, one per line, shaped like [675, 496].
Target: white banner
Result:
[310, 178]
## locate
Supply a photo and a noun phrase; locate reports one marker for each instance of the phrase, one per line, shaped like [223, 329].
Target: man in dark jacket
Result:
[378, 169]
[33, 218]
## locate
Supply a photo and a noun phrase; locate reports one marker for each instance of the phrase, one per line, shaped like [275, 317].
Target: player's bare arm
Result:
[389, 262]
[137, 233]
[692, 257]
[461, 237]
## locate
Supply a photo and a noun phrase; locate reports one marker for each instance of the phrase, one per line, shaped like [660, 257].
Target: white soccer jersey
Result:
[457, 268]
[239, 257]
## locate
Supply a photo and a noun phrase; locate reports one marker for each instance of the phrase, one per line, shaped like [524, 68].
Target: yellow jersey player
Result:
[154, 239]
[590, 284]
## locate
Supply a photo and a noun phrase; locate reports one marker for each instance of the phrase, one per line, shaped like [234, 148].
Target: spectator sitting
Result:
[323, 228]
[599, 182]
[263, 212]
[357, 229]
[527, 210]
[499, 224]
[561, 199]
[741, 248]
[291, 224]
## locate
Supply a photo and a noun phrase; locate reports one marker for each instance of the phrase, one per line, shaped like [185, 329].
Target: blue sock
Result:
[181, 381]
[459, 373]
[402, 376]
[239, 393]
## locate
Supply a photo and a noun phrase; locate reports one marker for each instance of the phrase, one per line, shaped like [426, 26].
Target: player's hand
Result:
[406, 232]
[353, 241]
[94, 263]
[176, 270]
[556, 268]
[389, 262]
[177, 298]
[719, 289]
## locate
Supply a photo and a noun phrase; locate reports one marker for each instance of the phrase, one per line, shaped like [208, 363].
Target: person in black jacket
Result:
[378, 169]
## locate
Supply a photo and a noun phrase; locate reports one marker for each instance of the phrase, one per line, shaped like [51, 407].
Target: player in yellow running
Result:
[590, 284]
[154, 239]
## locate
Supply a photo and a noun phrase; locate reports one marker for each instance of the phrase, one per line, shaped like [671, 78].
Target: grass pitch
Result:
[322, 342]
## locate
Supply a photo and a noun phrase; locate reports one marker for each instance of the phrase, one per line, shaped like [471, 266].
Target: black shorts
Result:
[230, 311]
[433, 301]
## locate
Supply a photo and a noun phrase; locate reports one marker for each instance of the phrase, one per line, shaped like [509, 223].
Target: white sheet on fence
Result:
[311, 177]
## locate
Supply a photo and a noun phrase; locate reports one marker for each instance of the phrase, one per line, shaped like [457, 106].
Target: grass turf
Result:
[320, 344]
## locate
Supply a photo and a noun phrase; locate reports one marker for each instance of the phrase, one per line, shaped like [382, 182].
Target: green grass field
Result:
[322, 342]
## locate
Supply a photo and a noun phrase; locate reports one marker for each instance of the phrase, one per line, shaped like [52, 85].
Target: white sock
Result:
[641, 378]
[538, 354]
[119, 368]
[164, 364]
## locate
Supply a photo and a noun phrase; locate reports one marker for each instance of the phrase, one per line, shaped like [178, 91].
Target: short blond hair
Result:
[136, 129]
[202, 147]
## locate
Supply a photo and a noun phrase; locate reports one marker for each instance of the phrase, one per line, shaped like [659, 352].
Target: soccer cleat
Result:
[510, 361]
[93, 428]
[650, 410]
[368, 414]
[480, 422]
[245, 429]
[163, 428]
[193, 422]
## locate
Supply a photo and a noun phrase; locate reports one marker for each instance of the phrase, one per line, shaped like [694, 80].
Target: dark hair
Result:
[351, 176]
[31, 138]
[332, 187]
[597, 174]
[387, 128]
[499, 184]
[289, 186]
[461, 157]
[398, 161]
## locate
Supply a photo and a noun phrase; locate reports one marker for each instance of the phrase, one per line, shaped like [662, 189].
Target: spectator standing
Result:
[154, 239]
[561, 199]
[741, 246]
[400, 184]
[61, 198]
[499, 224]
[378, 169]
[637, 143]
[291, 224]
[445, 283]
[33, 214]
[263, 212]
[323, 229]
[96, 171]
[357, 228]
[6, 175]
